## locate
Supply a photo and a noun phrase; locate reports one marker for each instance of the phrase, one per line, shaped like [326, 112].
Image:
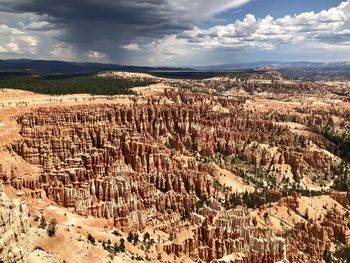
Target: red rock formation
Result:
[123, 163]
[307, 242]
[219, 233]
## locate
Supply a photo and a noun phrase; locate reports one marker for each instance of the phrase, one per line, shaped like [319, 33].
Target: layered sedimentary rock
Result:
[137, 135]
[217, 233]
[14, 227]
[308, 242]
[268, 82]
[148, 164]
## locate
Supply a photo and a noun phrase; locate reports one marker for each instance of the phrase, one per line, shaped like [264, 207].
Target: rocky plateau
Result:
[241, 168]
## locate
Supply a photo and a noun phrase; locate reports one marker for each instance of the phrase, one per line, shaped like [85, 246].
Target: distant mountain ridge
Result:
[272, 64]
[299, 70]
[48, 66]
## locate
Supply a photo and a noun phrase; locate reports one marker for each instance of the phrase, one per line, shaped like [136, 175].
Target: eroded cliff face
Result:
[216, 234]
[14, 227]
[308, 241]
[146, 137]
[172, 163]
[266, 83]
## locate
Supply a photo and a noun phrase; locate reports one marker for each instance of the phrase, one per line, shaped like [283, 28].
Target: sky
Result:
[175, 32]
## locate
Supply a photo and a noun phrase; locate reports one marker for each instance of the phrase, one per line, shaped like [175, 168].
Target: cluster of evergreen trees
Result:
[341, 173]
[67, 84]
[342, 254]
[259, 198]
[116, 248]
[51, 228]
[341, 140]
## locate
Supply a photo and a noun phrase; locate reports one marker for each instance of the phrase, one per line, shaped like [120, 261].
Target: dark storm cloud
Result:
[106, 25]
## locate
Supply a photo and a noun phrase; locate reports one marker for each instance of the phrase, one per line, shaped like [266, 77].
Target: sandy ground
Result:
[129, 75]
[218, 108]
[282, 218]
[229, 179]
[150, 90]
[70, 243]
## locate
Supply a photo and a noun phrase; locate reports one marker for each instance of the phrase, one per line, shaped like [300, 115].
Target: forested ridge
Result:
[61, 84]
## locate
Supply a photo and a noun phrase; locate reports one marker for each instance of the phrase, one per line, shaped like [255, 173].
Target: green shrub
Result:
[43, 223]
[91, 239]
[52, 228]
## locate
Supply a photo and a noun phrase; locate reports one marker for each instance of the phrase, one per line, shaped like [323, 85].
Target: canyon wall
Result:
[14, 227]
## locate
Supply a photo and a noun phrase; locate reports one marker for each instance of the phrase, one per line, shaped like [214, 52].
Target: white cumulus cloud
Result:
[15, 41]
[327, 26]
